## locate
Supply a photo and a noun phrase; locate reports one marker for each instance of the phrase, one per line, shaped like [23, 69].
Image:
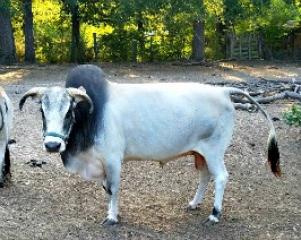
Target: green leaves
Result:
[150, 30]
[293, 116]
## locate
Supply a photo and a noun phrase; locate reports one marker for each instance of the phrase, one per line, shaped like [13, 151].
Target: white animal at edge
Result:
[6, 121]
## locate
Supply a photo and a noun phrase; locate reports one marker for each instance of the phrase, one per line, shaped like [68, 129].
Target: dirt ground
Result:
[49, 203]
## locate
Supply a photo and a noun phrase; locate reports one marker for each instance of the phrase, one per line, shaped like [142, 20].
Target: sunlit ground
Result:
[49, 203]
[13, 76]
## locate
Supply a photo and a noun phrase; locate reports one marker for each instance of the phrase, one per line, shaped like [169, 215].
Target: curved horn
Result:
[80, 95]
[33, 92]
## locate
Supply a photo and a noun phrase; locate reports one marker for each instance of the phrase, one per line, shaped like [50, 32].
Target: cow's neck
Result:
[82, 135]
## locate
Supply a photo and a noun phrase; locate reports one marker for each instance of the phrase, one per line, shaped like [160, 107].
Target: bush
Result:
[293, 116]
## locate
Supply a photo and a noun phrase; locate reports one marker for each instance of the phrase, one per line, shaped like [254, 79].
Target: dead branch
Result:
[269, 99]
[226, 83]
[263, 91]
[297, 88]
[279, 96]
[285, 81]
[246, 107]
[237, 99]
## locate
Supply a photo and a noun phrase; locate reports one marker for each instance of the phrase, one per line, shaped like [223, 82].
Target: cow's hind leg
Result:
[5, 167]
[218, 170]
[202, 187]
[214, 150]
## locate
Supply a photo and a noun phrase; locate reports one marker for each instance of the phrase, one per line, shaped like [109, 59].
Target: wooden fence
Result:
[245, 47]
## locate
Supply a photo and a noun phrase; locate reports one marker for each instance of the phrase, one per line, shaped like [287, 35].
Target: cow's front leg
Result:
[111, 185]
[4, 167]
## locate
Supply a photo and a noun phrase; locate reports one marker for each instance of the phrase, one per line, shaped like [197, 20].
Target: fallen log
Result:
[269, 99]
[279, 96]
[278, 81]
[245, 107]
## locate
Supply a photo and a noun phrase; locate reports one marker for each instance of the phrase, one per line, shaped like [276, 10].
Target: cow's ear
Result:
[36, 92]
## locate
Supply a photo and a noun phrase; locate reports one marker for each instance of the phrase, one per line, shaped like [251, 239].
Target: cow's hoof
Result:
[211, 220]
[5, 181]
[191, 208]
[110, 222]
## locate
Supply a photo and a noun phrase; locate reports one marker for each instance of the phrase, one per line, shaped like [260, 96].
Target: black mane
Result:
[85, 128]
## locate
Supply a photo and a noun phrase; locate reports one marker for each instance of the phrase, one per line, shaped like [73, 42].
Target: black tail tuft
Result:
[7, 162]
[273, 157]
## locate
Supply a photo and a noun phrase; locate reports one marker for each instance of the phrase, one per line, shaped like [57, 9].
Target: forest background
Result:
[57, 31]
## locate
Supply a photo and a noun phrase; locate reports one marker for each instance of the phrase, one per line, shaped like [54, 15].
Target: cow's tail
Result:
[273, 151]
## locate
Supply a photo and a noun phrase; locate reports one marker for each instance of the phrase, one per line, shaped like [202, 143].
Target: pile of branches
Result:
[264, 91]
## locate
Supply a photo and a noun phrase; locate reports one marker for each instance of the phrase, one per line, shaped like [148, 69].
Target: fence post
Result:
[249, 45]
[95, 46]
[240, 52]
[134, 48]
[260, 39]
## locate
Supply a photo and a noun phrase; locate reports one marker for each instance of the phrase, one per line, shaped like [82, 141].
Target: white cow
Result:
[6, 115]
[96, 125]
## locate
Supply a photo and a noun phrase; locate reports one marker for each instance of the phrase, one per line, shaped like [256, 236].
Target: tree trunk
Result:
[141, 40]
[221, 35]
[28, 32]
[266, 51]
[76, 47]
[134, 50]
[95, 46]
[198, 41]
[7, 42]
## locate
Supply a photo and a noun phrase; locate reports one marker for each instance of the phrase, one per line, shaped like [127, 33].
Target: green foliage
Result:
[5, 6]
[17, 22]
[293, 116]
[277, 20]
[117, 45]
[153, 30]
[52, 34]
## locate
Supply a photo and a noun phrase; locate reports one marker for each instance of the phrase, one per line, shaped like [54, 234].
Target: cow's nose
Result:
[52, 146]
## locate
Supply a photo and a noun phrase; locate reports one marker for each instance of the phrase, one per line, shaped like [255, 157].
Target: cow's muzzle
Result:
[54, 142]
[52, 146]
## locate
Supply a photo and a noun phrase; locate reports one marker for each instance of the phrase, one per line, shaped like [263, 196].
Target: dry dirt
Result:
[49, 203]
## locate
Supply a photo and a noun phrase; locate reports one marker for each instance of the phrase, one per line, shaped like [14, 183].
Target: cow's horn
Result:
[35, 92]
[80, 95]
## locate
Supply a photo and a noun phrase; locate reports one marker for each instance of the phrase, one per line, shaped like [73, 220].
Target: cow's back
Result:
[159, 119]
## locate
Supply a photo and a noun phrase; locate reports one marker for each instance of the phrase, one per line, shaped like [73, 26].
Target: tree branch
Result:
[279, 96]
[245, 107]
